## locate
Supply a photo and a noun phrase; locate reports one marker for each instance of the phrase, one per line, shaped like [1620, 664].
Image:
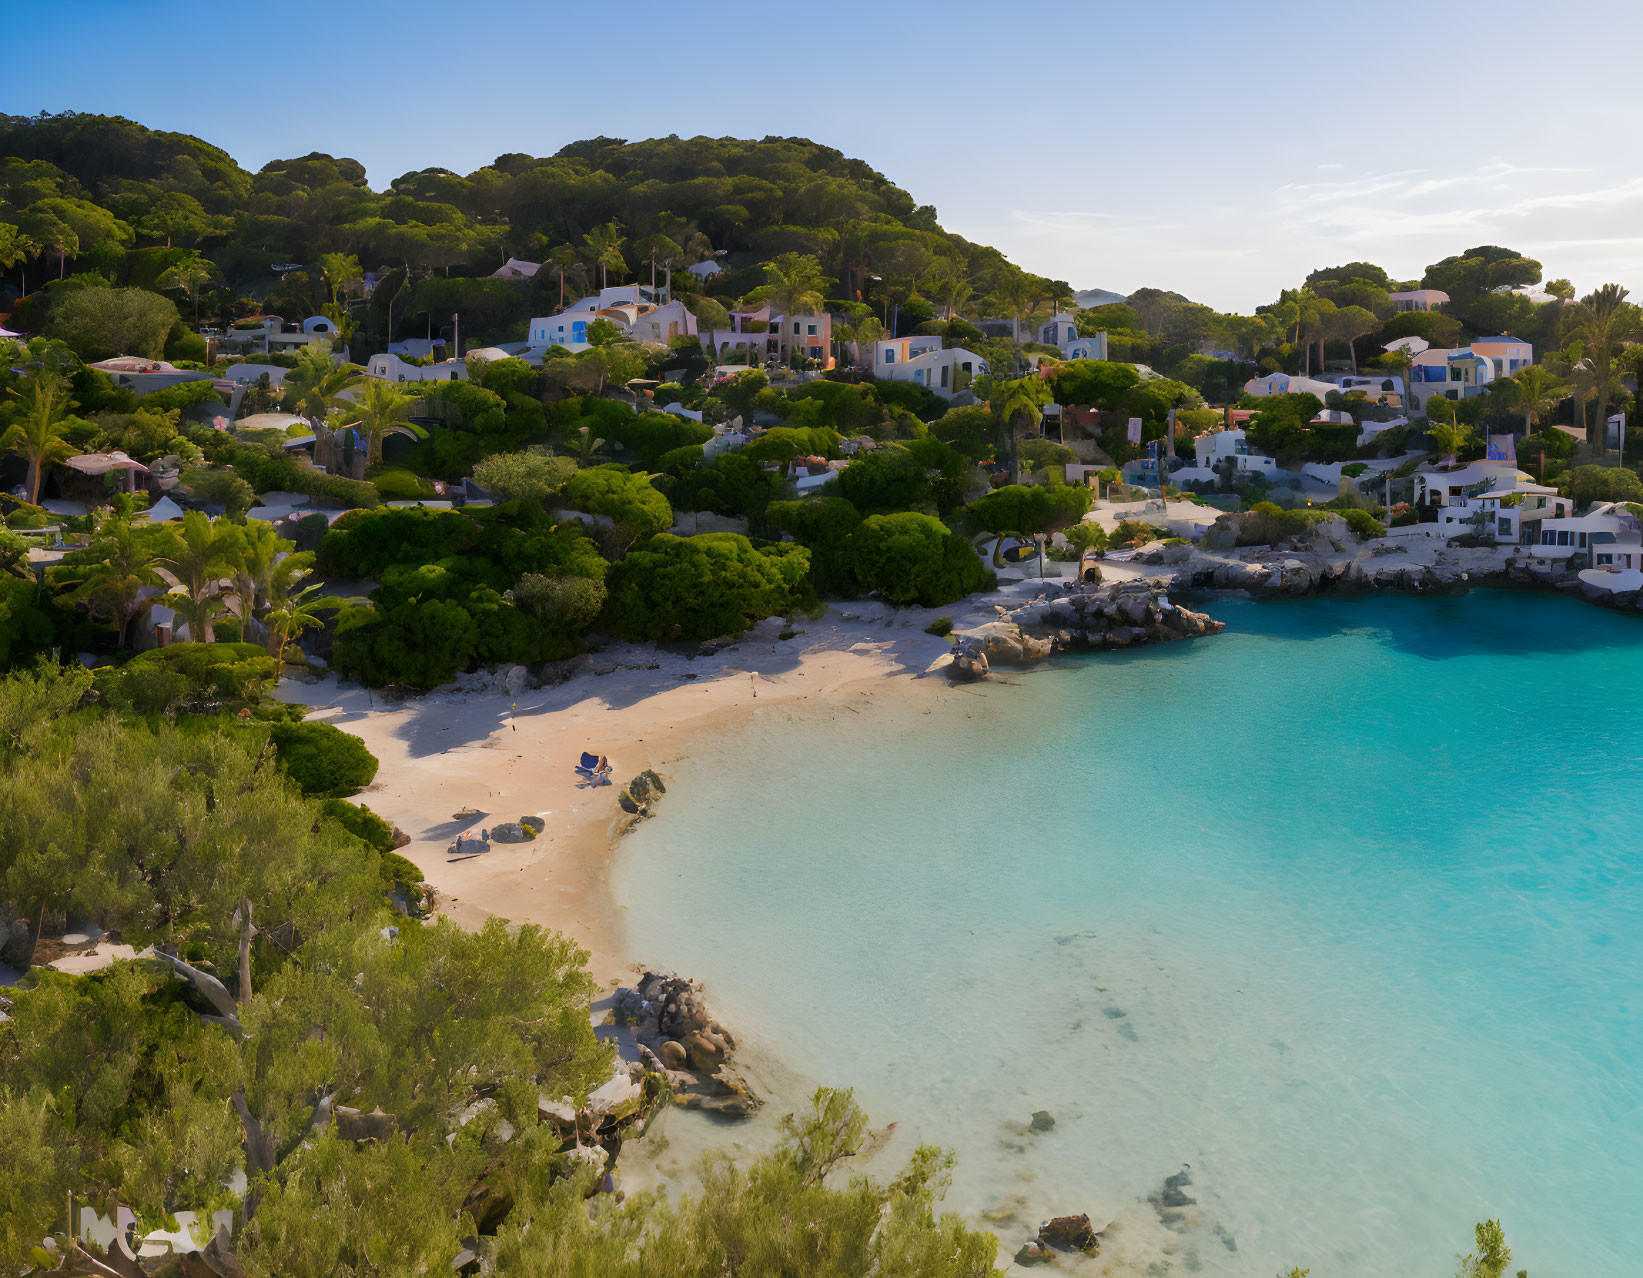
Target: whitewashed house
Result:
[391, 368]
[922, 361]
[1437, 487]
[1511, 514]
[1608, 536]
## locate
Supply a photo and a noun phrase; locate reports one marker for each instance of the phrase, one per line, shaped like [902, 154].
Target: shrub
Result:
[1364, 526]
[364, 824]
[416, 644]
[365, 543]
[534, 475]
[322, 760]
[1589, 484]
[941, 627]
[629, 500]
[394, 869]
[220, 487]
[188, 677]
[402, 485]
[567, 604]
[695, 588]
[912, 558]
[1135, 532]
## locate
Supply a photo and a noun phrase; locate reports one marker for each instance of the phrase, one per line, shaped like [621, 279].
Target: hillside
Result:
[106, 195]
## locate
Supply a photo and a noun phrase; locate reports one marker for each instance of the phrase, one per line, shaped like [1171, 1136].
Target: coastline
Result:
[486, 743]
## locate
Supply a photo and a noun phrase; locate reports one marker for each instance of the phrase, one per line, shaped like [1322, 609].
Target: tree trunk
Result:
[34, 480]
[246, 933]
[34, 934]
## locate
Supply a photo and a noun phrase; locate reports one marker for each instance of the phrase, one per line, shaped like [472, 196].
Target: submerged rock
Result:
[1042, 1121]
[1069, 1233]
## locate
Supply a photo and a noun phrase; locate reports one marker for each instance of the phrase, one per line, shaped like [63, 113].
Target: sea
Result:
[1317, 941]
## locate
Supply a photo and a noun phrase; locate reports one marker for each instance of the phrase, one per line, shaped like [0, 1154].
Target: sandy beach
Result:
[508, 751]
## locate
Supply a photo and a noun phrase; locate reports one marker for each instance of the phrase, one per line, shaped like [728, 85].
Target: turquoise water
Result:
[1341, 909]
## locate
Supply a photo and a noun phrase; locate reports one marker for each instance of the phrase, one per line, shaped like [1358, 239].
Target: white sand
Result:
[478, 745]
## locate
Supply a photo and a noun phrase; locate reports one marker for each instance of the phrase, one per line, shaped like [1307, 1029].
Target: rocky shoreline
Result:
[1077, 616]
[1081, 616]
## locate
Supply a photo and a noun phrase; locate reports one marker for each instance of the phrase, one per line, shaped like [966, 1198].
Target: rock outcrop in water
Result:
[671, 1024]
[1077, 616]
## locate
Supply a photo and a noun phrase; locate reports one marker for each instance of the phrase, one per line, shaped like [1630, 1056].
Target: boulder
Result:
[1042, 1121]
[1069, 1233]
[967, 667]
[674, 1055]
[703, 1052]
[534, 824]
[509, 832]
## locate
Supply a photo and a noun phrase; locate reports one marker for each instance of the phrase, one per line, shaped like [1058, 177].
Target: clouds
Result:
[1237, 244]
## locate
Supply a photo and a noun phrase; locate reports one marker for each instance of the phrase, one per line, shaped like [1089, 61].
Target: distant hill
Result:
[1091, 297]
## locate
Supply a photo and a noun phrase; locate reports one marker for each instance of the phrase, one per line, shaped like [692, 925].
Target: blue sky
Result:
[1219, 149]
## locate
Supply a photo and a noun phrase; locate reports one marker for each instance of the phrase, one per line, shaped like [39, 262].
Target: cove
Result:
[1341, 910]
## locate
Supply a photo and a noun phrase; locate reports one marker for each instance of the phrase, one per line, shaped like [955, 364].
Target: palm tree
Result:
[1605, 321]
[586, 448]
[793, 286]
[602, 247]
[38, 432]
[1020, 402]
[17, 249]
[380, 412]
[113, 583]
[294, 607]
[317, 381]
[195, 572]
[254, 559]
[565, 258]
[1538, 390]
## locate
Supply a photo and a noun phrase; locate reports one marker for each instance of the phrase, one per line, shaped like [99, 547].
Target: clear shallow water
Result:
[1342, 908]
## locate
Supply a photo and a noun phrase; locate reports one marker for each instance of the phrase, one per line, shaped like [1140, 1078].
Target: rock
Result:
[638, 795]
[1032, 1254]
[534, 824]
[399, 837]
[674, 1055]
[509, 832]
[1042, 1121]
[514, 678]
[702, 1052]
[968, 667]
[1069, 1233]
[355, 1126]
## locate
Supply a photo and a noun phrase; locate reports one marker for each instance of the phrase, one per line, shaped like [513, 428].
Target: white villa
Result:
[621, 304]
[391, 368]
[763, 334]
[1061, 331]
[1461, 373]
[922, 361]
[1419, 299]
[1609, 535]
[1287, 384]
[1435, 487]
[1512, 514]
[1215, 448]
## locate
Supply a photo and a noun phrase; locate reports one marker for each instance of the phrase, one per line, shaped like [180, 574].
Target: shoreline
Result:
[508, 751]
